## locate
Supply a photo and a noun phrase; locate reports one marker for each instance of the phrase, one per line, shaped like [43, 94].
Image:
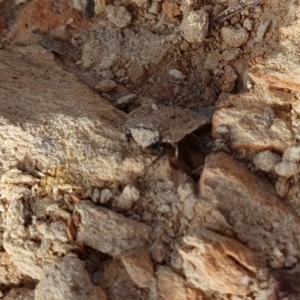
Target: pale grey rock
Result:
[292, 153]
[230, 54]
[251, 123]
[262, 28]
[282, 186]
[67, 279]
[248, 24]
[105, 195]
[158, 251]
[286, 168]
[155, 8]
[105, 86]
[110, 232]
[95, 195]
[15, 176]
[142, 3]
[17, 242]
[128, 197]
[144, 136]
[234, 37]
[266, 160]
[119, 16]
[149, 126]
[195, 26]
[126, 99]
[184, 191]
[176, 74]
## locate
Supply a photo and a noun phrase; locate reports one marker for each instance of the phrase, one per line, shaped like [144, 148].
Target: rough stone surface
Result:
[19, 294]
[113, 278]
[286, 168]
[176, 74]
[155, 8]
[9, 273]
[283, 284]
[105, 86]
[65, 152]
[128, 197]
[282, 186]
[218, 263]
[161, 120]
[119, 16]
[171, 9]
[139, 267]
[266, 160]
[67, 279]
[50, 238]
[64, 133]
[252, 123]
[234, 37]
[142, 3]
[170, 286]
[228, 80]
[117, 234]
[292, 154]
[126, 99]
[240, 194]
[195, 26]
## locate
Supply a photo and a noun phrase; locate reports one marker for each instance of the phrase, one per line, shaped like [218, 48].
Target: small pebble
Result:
[234, 37]
[105, 86]
[176, 74]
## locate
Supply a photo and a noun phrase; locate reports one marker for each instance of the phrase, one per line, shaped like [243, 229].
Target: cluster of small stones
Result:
[183, 28]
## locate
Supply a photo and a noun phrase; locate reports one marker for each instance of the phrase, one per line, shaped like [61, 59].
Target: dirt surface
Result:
[150, 149]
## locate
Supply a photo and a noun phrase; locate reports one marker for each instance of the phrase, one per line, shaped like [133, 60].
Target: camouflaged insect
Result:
[233, 10]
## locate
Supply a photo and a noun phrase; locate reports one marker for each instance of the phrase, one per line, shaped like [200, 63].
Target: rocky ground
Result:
[149, 150]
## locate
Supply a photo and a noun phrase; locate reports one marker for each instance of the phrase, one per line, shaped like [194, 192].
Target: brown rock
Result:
[139, 266]
[171, 286]
[105, 86]
[115, 281]
[284, 284]
[108, 231]
[278, 79]
[19, 294]
[221, 263]
[3, 25]
[228, 80]
[252, 123]
[171, 9]
[9, 273]
[55, 17]
[250, 205]
[137, 75]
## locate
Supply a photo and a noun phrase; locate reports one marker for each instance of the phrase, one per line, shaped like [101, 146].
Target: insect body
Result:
[233, 10]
